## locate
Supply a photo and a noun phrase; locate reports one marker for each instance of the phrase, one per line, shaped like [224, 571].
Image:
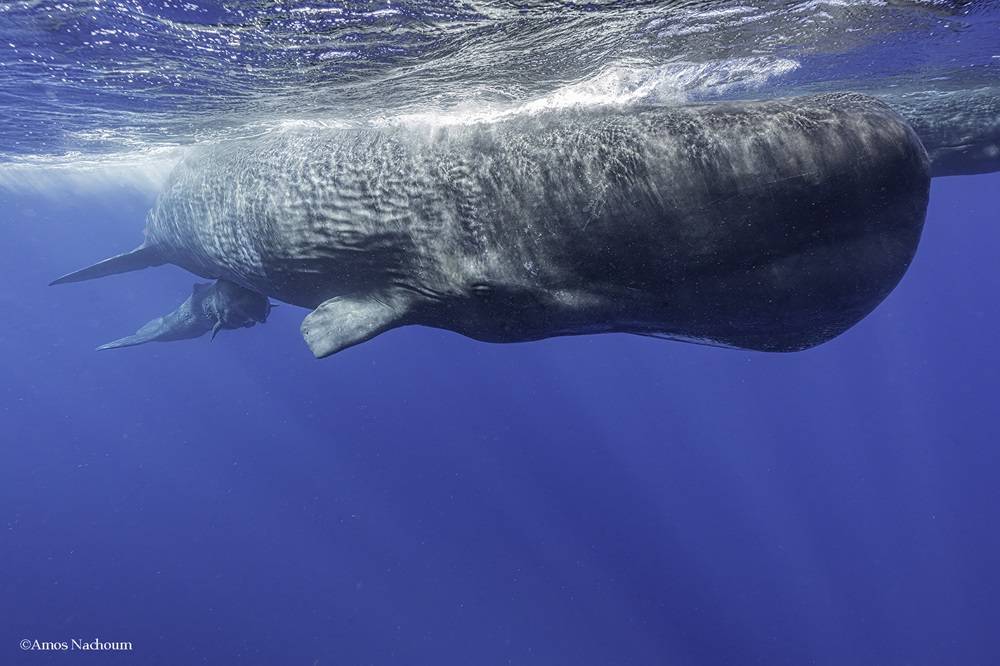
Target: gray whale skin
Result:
[766, 225]
[959, 128]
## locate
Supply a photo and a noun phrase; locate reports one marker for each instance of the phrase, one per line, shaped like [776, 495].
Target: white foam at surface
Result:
[146, 168]
[673, 83]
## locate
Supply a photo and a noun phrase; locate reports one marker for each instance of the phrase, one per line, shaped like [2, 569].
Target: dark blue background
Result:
[426, 499]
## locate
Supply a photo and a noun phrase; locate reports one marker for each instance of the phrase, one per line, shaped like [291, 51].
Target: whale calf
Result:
[771, 225]
[210, 307]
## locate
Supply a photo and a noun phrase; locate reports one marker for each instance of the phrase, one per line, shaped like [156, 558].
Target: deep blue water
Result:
[427, 499]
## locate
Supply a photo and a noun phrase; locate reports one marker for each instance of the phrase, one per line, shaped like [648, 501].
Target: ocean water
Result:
[427, 499]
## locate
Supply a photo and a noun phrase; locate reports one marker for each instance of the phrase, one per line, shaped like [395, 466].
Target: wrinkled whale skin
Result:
[766, 225]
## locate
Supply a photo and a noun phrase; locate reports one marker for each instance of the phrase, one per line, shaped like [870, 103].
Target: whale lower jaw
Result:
[209, 308]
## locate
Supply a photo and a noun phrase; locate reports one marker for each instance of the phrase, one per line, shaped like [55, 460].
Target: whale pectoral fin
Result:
[342, 322]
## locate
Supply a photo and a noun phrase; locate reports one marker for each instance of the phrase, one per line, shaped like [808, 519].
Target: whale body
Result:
[960, 128]
[769, 226]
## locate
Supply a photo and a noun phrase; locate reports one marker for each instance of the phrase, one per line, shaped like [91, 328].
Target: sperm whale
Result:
[960, 128]
[772, 225]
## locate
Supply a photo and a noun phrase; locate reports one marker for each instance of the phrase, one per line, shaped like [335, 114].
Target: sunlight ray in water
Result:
[145, 171]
